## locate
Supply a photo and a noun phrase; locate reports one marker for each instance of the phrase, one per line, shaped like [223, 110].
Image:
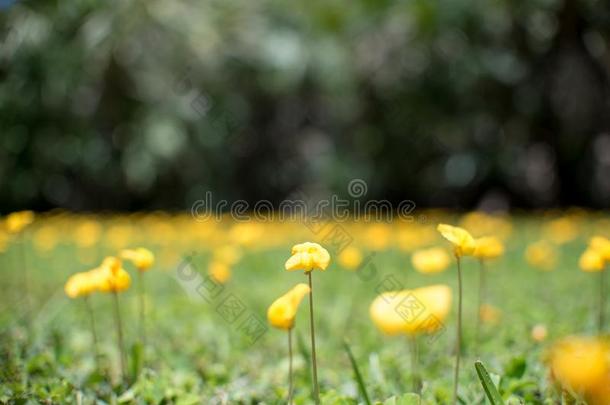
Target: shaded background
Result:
[148, 104]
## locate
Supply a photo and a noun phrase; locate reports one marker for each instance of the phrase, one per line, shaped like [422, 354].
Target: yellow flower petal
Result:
[433, 260]
[282, 312]
[463, 242]
[308, 256]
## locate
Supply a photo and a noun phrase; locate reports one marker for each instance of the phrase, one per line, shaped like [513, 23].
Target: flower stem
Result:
[119, 329]
[93, 331]
[316, 389]
[458, 338]
[290, 366]
[602, 300]
[142, 294]
[414, 364]
[482, 287]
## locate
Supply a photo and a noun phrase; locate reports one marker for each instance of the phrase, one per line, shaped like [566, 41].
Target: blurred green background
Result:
[149, 104]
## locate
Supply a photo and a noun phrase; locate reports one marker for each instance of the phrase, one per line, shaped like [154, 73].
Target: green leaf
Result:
[137, 360]
[405, 399]
[490, 389]
[357, 374]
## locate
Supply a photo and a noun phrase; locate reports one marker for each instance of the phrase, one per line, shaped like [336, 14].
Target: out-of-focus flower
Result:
[591, 261]
[541, 255]
[119, 236]
[87, 233]
[111, 276]
[562, 230]
[601, 245]
[17, 221]
[378, 236]
[246, 233]
[488, 247]
[3, 240]
[219, 271]
[81, 284]
[350, 258]
[463, 243]
[229, 254]
[46, 238]
[141, 257]
[433, 260]
[308, 256]
[539, 332]
[480, 223]
[422, 310]
[414, 236]
[582, 364]
[282, 312]
[489, 314]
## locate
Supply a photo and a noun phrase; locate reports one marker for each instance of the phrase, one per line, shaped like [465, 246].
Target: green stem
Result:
[142, 294]
[414, 364]
[316, 389]
[458, 338]
[290, 366]
[482, 287]
[602, 300]
[93, 331]
[26, 278]
[119, 329]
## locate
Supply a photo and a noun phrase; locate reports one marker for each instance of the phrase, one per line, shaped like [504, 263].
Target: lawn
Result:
[208, 342]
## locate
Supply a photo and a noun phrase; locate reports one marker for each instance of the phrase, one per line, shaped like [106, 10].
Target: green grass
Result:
[195, 356]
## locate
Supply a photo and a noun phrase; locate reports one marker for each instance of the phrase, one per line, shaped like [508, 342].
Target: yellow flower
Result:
[378, 236]
[591, 261]
[87, 233]
[489, 314]
[541, 255]
[422, 310]
[350, 258]
[561, 230]
[433, 260]
[462, 241]
[17, 221]
[488, 247]
[142, 258]
[282, 312]
[582, 364]
[46, 238]
[219, 271]
[229, 254]
[539, 332]
[111, 276]
[308, 256]
[601, 245]
[80, 284]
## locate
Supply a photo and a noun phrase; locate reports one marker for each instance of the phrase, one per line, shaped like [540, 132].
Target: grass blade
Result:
[490, 389]
[357, 374]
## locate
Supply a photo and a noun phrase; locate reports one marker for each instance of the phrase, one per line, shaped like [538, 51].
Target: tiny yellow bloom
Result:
[463, 242]
[350, 258]
[111, 276]
[488, 247]
[142, 258]
[582, 364]
[591, 261]
[282, 312]
[601, 245]
[308, 256]
[392, 312]
[219, 271]
[541, 255]
[17, 221]
[80, 284]
[433, 260]
[539, 333]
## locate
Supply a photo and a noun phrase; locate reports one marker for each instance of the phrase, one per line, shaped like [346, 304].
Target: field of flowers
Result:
[163, 309]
